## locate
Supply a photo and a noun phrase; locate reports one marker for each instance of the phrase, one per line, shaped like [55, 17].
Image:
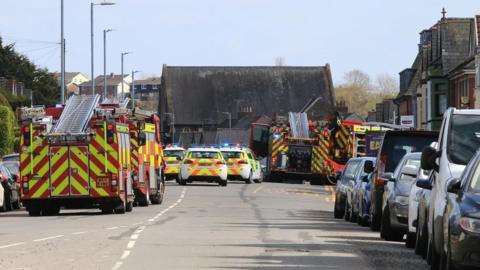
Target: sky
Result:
[375, 36]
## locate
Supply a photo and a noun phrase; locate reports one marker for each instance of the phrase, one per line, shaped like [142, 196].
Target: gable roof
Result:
[197, 94]
[68, 76]
[112, 79]
[154, 80]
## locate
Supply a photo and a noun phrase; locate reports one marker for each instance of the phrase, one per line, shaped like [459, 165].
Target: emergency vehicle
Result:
[147, 158]
[242, 164]
[81, 161]
[292, 150]
[173, 155]
[204, 164]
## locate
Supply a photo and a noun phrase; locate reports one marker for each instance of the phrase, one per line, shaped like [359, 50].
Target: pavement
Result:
[256, 226]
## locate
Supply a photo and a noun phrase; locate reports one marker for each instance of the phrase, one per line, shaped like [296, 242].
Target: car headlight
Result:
[402, 200]
[469, 224]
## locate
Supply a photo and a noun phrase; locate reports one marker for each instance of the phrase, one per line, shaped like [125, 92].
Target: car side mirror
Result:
[349, 176]
[425, 184]
[368, 166]
[142, 138]
[453, 185]
[428, 159]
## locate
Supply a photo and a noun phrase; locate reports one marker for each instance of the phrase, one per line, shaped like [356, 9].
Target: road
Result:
[257, 226]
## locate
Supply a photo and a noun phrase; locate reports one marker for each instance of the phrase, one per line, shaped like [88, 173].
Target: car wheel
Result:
[8, 201]
[346, 215]
[249, 180]
[222, 183]
[386, 230]
[418, 249]
[410, 243]
[374, 221]
[129, 207]
[337, 213]
[424, 242]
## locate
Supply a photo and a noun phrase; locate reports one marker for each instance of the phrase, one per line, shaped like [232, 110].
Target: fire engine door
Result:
[79, 171]
[69, 171]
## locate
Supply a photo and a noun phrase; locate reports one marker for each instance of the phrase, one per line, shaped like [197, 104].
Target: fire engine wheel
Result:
[143, 201]
[121, 209]
[51, 210]
[129, 207]
[331, 180]
[107, 209]
[222, 183]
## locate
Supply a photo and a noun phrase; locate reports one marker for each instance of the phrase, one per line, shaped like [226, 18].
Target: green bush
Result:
[7, 130]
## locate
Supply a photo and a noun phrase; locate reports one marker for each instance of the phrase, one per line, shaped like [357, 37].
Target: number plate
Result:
[102, 182]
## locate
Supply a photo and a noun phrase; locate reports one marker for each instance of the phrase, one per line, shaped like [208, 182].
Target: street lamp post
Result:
[123, 54]
[92, 5]
[229, 119]
[105, 62]
[132, 91]
[173, 126]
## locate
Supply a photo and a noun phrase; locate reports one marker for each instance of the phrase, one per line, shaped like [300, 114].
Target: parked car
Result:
[365, 201]
[413, 198]
[458, 142]
[353, 188]
[341, 188]
[11, 157]
[11, 190]
[395, 198]
[461, 248]
[203, 164]
[421, 234]
[395, 145]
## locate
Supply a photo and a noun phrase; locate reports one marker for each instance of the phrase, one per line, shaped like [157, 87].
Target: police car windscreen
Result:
[204, 154]
[232, 154]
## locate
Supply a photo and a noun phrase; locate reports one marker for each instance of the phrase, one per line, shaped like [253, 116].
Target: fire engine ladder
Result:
[299, 125]
[76, 114]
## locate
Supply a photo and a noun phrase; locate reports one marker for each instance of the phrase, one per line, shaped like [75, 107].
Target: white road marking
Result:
[130, 244]
[112, 228]
[48, 238]
[125, 254]
[117, 265]
[77, 233]
[140, 229]
[12, 245]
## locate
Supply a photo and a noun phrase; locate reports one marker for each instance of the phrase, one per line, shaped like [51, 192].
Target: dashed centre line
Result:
[12, 245]
[136, 234]
[48, 238]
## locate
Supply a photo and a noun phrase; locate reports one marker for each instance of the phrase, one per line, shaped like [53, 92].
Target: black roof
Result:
[199, 94]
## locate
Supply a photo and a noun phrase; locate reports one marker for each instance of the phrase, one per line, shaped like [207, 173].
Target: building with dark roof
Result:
[114, 85]
[206, 97]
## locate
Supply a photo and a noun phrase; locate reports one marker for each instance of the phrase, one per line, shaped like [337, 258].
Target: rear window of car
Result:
[464, 138]
[352, 168]
[13, 167]
[396, 146]
[204, 154]
[173, 153]
[232, 154]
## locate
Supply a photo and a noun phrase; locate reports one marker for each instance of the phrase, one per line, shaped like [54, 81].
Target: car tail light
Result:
[221, 162]
[188, 161]
[114, 182]
[380, 182]
[242, 162]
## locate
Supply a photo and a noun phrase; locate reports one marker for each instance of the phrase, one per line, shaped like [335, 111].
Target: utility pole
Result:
[62, 55]
[123, 54]
[132, 91]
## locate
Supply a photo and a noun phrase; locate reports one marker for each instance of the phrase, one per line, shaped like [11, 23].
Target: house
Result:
[114, 85]
[443, 47]
[147, 89]
[72, 81]
[406, 99]
[203, 98]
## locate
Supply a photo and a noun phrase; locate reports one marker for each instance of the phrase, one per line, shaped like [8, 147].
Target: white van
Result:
[458, 141]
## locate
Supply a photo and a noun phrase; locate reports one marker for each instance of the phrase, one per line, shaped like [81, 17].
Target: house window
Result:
[155, 87]
[441, 104]
[144, 87]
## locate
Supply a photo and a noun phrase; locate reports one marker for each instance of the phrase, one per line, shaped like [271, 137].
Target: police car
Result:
[173, 156]
[242, 164]
[204, 164]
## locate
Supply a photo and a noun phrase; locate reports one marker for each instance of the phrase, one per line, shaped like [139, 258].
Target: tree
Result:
[360, 95]
[16, 66]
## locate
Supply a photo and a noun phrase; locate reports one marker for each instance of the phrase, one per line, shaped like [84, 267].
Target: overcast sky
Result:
[376, 36]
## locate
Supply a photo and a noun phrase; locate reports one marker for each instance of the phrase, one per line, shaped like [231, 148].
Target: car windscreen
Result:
[12, 166]
[464, 138]
[396, 146]
[406, 178]
[204, 154]
[352, 169]
[173, 153]
[232, 154]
